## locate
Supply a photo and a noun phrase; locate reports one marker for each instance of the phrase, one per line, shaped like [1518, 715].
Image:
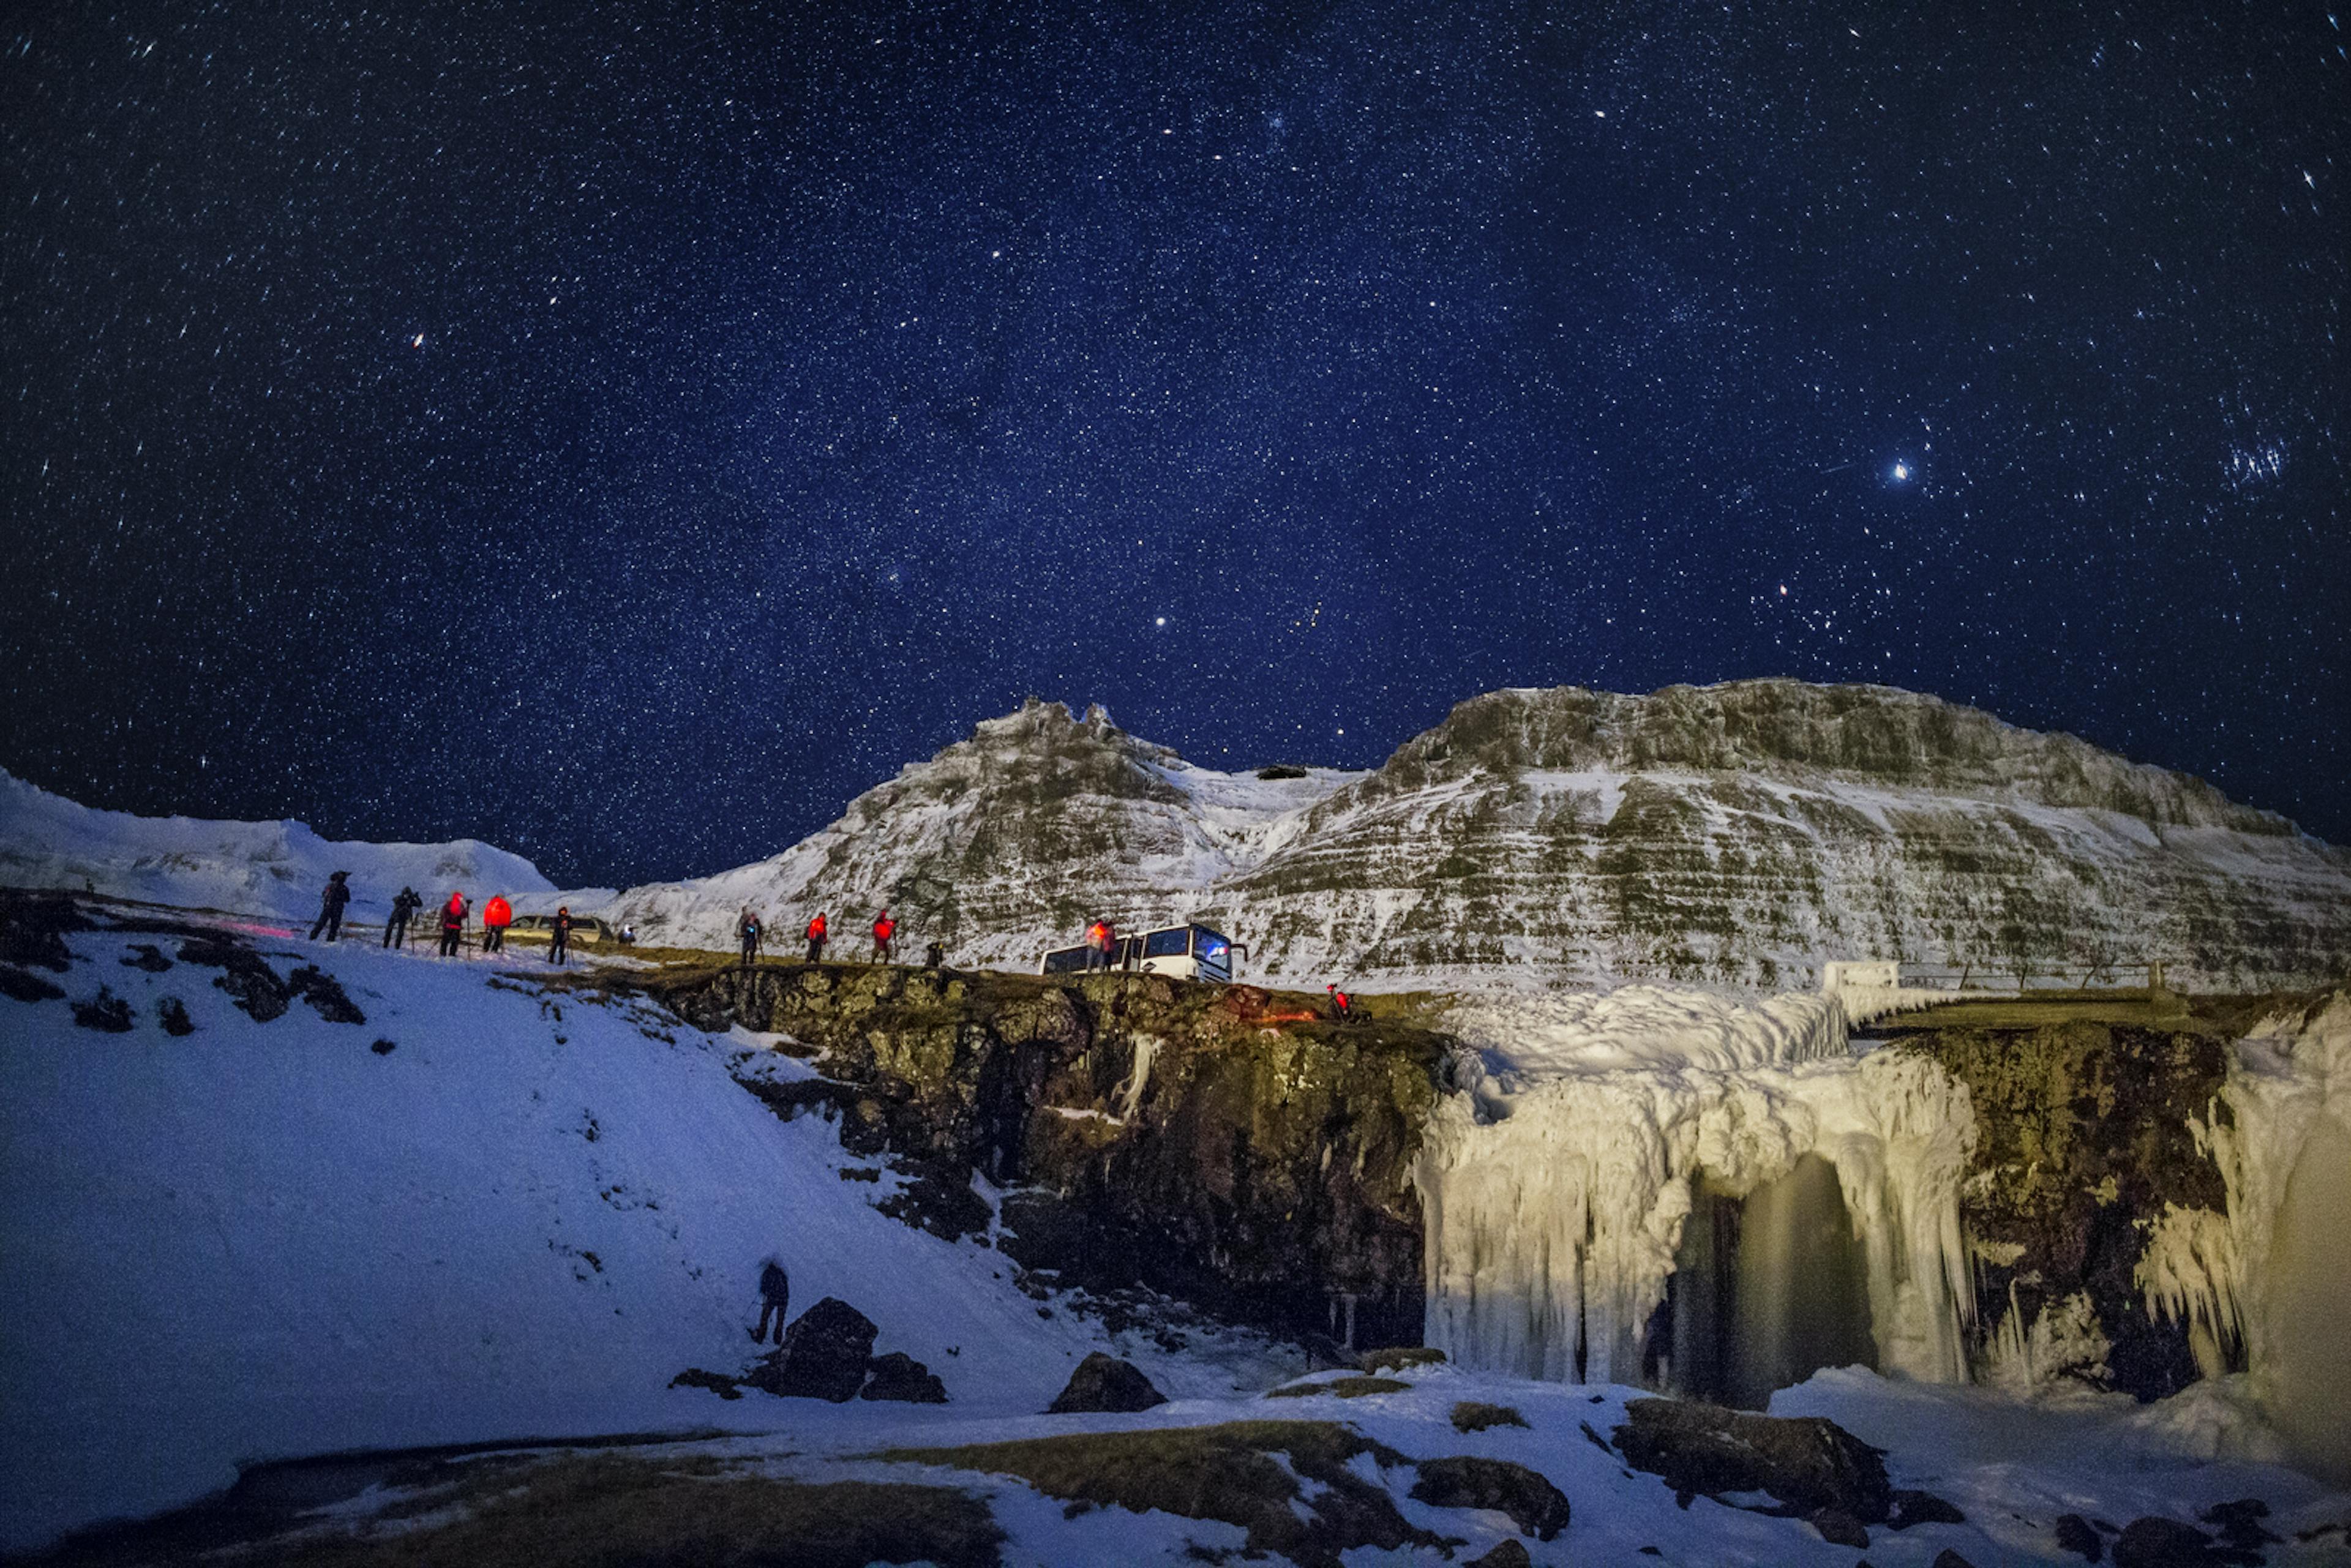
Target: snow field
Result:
[264, 1240]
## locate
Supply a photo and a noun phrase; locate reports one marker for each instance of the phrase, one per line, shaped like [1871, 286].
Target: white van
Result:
[1183, 952]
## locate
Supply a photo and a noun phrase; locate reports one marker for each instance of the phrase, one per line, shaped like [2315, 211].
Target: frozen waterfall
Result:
[1556, 1183]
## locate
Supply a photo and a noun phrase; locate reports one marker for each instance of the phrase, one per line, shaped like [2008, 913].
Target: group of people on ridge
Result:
[498, 915]
[751, 931]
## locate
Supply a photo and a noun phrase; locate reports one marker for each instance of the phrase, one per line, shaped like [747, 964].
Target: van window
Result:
[1172, 943]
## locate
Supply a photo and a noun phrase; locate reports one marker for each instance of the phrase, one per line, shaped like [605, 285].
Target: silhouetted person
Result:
[816, 938]
[559, 946]
[934, 957]
[1343, 1006]
[775, 1297]
[405, 907]
[750, 931]
[330, 906]
[453, 924]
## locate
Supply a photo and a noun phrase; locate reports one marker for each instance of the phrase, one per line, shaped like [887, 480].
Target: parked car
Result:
[586, 929]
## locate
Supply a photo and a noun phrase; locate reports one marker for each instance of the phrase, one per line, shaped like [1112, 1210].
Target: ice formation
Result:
[1555, 1181]
[2284, 1150]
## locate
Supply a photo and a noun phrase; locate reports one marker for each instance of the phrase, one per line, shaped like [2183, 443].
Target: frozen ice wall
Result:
[2279, 1271]
[1555, 1180]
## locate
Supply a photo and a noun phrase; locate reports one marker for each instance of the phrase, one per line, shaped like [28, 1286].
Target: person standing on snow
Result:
[496, 915]
[884, 929]
[395, 930]
[330, 906]
[749, 929]
[816, 938]
[559, 946]
[453, 924]
[775, 1297]
[1101, 939]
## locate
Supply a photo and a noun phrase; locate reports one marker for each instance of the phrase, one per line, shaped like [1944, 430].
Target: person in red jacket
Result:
[816, 938]
[496, 915]
[453, 924]
[1343, 1006]
[884, 929]
[1102, 941]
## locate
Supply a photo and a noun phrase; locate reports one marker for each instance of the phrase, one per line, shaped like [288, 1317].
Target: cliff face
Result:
[1208, 1142]
[1739, 834]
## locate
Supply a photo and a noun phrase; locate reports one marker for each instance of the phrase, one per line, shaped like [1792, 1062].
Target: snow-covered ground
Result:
[264, 1240]
[273, 869]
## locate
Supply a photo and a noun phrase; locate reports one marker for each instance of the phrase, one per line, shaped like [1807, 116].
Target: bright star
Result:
[1159, 620]
[1902, 470]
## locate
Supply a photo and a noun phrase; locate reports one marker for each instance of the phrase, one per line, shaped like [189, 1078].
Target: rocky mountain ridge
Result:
[1740, 834]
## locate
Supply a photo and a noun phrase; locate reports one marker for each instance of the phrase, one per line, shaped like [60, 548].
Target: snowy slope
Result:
[1740, 835]
[273, 869]
[271, 1238]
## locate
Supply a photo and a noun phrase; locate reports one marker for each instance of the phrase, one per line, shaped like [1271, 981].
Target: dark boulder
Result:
[2240, 1524]
[1103, 1383]
[2075, 1534]
[1508, 1554]
[325, 993]
[1537, 1507]
[1808, 1463]
[252, 983]
[147, 957]
[20, 984]
[105, 1011]
[1946, 1558]
[1839, 1528]
[939, 1199]
[2155, 1542]
[900, 1377]
[824, 1355]
[1914, 1506]
[173, 1014]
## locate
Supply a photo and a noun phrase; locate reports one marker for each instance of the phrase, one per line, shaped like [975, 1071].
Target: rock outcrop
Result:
[1217, 1143]
[1808, 1463]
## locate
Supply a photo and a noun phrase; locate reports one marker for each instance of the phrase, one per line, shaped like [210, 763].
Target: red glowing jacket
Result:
[884, 928]
[815, 929]
[453, 914]
[497, 911]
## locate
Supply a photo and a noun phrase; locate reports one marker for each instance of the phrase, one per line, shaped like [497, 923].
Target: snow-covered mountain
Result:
[273, 869]
[1738, 835]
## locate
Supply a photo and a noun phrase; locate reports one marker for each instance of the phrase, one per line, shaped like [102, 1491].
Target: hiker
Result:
[395, 930]
[628, 937]
[775, 1296]
[496, 915]
[330, 906]
[559, 945]
[748, 927]
[816, 938]
[453, 924]
[934, 957]
[1343, 1006]
[884, 929]
[1102, 940]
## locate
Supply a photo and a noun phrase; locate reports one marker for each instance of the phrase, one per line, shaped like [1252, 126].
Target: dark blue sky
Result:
[624, 436]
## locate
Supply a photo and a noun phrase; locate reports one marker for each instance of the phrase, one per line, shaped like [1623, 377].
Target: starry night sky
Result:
[624, 436]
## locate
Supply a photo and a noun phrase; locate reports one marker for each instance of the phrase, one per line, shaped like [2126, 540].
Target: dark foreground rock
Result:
[1538, 1508]
[1105, 1384]
[2075, 1534]
[1506, 1554]
[1808, 1463]
[900, 1377]
[2159, 1542]
[825, 1354]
